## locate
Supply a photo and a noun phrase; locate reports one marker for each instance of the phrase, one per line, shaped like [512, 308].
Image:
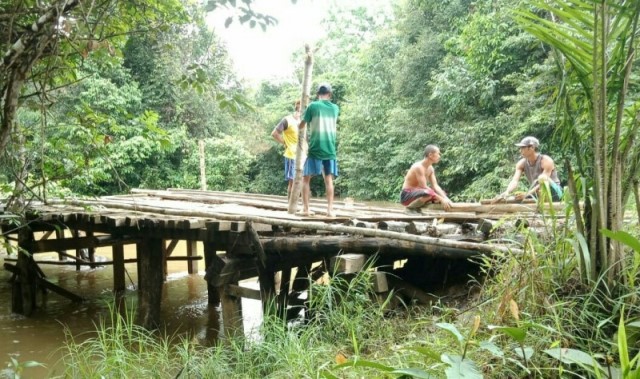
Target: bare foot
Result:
[305, 214]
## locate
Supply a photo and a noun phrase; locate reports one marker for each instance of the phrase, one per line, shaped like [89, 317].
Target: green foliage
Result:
[227, 164]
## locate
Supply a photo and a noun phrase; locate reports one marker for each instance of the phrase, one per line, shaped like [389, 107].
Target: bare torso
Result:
[417, 176]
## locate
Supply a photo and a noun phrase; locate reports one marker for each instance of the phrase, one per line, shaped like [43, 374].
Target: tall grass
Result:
[121, 349]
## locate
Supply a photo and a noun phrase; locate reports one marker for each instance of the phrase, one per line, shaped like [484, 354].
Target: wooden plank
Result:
[63, 244]
[239, 291]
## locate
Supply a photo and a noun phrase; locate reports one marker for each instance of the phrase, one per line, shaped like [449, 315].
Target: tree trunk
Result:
[301, 154]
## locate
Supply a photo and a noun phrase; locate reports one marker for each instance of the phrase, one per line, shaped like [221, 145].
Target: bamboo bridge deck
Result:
[243, 235]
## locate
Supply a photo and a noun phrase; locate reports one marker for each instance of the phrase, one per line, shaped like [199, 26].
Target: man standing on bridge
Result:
[286, 133]
[415, 192]
[322, 117]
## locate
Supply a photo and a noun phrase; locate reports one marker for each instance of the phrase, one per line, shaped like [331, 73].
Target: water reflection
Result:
[185, 309]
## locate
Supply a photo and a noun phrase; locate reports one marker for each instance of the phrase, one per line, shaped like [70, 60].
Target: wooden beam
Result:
[333, 244]
[43, 246]
[239, 291]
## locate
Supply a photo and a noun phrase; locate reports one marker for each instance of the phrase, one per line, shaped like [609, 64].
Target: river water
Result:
[40, 337]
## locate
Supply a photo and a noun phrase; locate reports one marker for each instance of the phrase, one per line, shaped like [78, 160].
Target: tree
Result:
[44, 44]
[596, 43]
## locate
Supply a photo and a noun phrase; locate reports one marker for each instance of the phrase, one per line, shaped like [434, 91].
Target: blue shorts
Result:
[289, 169]
[314, 167]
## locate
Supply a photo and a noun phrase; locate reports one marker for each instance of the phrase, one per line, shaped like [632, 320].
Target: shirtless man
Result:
[537, 168]
[415, 192]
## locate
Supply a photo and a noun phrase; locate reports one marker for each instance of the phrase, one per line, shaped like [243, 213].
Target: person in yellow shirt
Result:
[286, 133]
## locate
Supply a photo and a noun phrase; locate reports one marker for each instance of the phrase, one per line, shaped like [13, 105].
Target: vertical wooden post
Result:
[231, 313]
[213, 325]
[212, 262]
[140, 247]
[76, 234]
[285, 284]
[26, 283]
[150, 295]
[59, 236]
[91, 250]
[165, 254]
[118, 268]
[266, 273]
[192, 251]
[203, 171]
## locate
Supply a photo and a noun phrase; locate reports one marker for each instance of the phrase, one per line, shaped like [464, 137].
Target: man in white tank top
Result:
[537, 168]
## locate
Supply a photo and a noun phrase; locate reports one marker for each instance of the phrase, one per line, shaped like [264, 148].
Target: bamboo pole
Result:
[302, 134]
[307, 225]
[203, 171]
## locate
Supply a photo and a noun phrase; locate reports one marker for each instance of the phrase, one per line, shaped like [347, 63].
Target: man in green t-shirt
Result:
[322, 118]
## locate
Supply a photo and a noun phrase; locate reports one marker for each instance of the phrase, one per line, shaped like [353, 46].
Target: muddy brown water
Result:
[185, 309]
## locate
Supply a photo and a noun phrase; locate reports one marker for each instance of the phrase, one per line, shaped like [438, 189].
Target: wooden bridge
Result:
[244, 236]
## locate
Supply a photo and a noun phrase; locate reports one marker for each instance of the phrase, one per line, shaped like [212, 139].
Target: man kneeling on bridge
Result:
[415, 191]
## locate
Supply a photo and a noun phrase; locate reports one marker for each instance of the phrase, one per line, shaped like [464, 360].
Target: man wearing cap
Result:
[538, 168]
[322, 117]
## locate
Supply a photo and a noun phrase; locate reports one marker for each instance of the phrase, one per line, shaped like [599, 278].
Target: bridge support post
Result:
[118, 268]
[150, 261]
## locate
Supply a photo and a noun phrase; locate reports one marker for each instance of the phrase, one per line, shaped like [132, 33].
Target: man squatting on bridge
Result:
[538, 168]
[415, 192]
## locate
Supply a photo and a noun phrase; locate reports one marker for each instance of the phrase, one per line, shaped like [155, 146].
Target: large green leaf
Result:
[623, 237]
[525, 352]
[460, 368]
[492, 348]
[573, 356]
[518, 334]
[451, 329]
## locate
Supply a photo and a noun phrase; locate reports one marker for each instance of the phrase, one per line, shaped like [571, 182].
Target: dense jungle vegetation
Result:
[101, 97]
